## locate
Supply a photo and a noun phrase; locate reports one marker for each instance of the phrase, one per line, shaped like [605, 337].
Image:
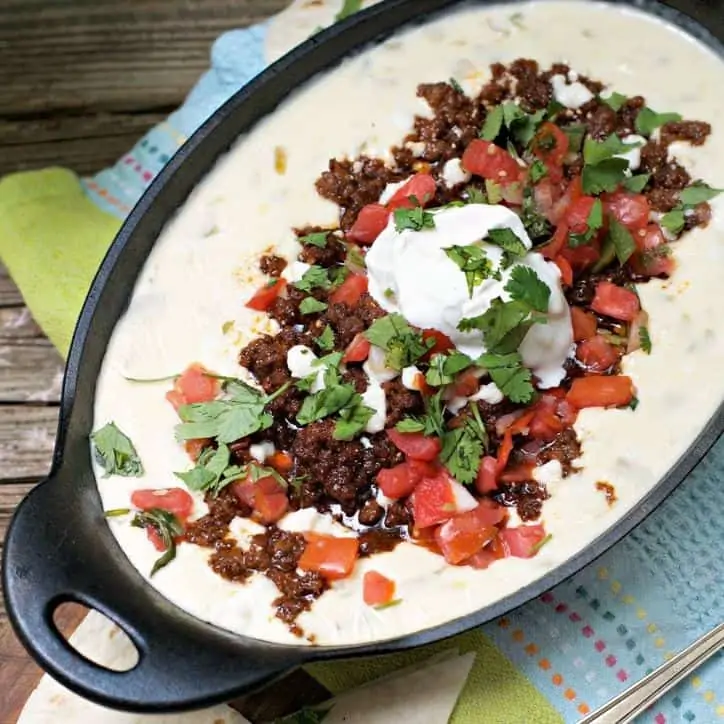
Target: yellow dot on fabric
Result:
[668, 656]
[641, 613]
[531, 649]
[603, 573]
[696, 682]
[651, 628]
[659, 642]
[628, 599]
[720, 710]
[518, 635]
[709, 696]
[615, 586]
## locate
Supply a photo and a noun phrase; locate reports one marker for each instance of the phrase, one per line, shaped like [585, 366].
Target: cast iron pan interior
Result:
[59, 548]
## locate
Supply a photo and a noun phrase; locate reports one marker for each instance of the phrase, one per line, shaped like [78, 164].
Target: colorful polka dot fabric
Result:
[594, 635]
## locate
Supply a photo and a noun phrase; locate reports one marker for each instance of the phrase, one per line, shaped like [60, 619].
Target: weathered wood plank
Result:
[83, 143]
[17, 324]
[27, 437]
[31, 370]
[119, 56]
[9, 294]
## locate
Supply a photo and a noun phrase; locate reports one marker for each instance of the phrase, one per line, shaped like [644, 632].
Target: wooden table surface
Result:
[80, 82]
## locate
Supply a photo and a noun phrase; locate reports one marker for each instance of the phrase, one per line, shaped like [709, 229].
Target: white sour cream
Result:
[410, 273]
[370, 94]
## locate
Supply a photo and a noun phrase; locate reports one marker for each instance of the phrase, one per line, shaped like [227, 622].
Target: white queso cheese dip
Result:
[188, 306]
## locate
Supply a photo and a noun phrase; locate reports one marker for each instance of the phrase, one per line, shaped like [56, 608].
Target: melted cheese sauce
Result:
[188, 304]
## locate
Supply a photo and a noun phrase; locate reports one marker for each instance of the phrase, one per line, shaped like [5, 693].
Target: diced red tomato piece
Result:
[153, 535]
[433, 500]
[415, 445]
[350, 290]
[174, 500]
[596, 354]
[520, 542]
[358, 349]
[582, 257]
[492, 552]
[601, 391]
[266, 496]
[421, 186]
[443, 343]
[631, 210]
[332, 557]
[369, 224]
[553, 248]
[485, 159]
[577, 214]
[281, 461]
[616, 302]
[553, 199]
[550, 144]
[545, 424]
[564, 267]
[397, 482]
[463, 536]
[466, 384]
[264, 297]
[487, 480]
[584, 324]
[377, 590]
[195, 384]
[653, 259]
[175, 398]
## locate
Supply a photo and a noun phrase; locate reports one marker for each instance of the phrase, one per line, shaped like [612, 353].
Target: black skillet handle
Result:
[53, 554]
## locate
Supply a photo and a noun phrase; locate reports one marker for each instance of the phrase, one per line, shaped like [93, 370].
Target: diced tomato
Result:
[369, 224]
[485, 159]
[358, 349]
[601, 391]
[377, 589]
[332, 557]
[545, 424]
[195, 384]
[350, 291]
[553, 248]
[631, 210]
[553, 200]
[487, 480]
[153, 535]
[492, 552]
[466, 384]
[281, 461]
[564, 267]
[443, 343]
[397, 482]
[266, 496]
[520, 542]
[584, 324]
[264, 297]
[616, 302]
[550, 145]
[582, 257]
[421, 186]
[596, 354]
[174, 500]
[463, 536]
[194, 448]
[175, 398]
[577, 214]
[506, 447]
[415, 445]
[653, 259]
[433, 500]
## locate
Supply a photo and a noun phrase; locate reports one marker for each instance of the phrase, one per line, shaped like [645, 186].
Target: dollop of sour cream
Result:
[410, 273]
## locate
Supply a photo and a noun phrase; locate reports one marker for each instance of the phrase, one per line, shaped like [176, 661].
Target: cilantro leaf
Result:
[474, 263]
[637, 183]
[594, 222]
[647, 121]
[493, 124]
[526, 286]
[503, 324]
[443, 368]
[623, 242]
[474, 195]
[352, 419]
[537, 171]
[316, 277]
[576, 133]
[433, 421]
[494, 191]
[645, 339]
[596, 151]
[673, 220]
[168, 528]
[456, 86]
[355, 257]
[604, 176]
[509, 375]
[410, 424]
[329, 400]
[310, 305]
[415, 219]
[522, 126]
[115, 452]
[614, 101]
[697, 193]
[349, 7]
[512, 246]
[403, 345]
[325, 341]
[463, 447]
[317, 238]
[534, 222]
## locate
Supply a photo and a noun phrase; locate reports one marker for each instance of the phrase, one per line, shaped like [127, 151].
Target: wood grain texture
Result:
[27, 436]
[105, 55]
[9, 294]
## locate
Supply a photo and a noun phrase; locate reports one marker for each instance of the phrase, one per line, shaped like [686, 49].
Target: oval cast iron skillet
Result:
[59, 547]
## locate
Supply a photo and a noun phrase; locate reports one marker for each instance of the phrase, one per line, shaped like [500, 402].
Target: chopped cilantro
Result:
[673, 220]
[167, 526]
[456, 86]
[403, 345]
[535, 223]
[636, 184]
[334, 396]
[355, 257]
[596, 151]
[509, 375]
[623, 242]
[325, 341]
[116, 512]
[614, 101]
[474, 263]
[647, 121]
[634, 403]
[474, 195]
[415, 218]
[352, 419]
[316, 277]
[603, 176]
[493, 191]
[463, 447]
[443, 368]
[431, 423]
[310, 305]
[645, 339]
[576, 133]
[537, 171]
[697, 193]
[525, 286]
[317, 238]
[493, 124]
[594, 222]
[115, 452]
[512, 246]
[503, 324]
[337, 275]
[522, 126]
[410, 424]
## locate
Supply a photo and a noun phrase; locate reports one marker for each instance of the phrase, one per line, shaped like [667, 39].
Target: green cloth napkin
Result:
[52, 240]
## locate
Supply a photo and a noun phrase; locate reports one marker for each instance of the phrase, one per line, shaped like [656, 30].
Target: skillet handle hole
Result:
[94, 636]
